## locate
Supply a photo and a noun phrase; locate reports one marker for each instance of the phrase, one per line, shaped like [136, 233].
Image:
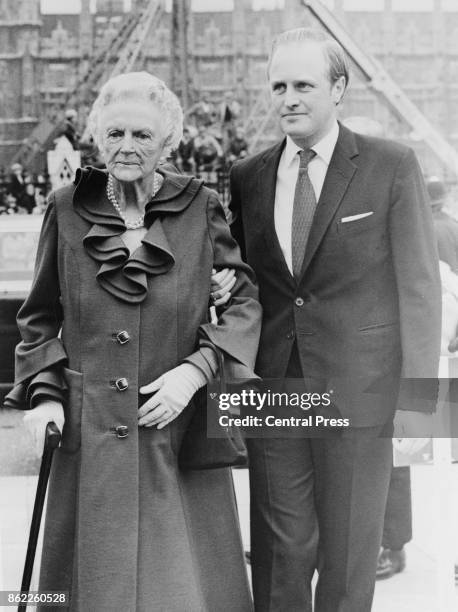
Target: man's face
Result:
[301, 91]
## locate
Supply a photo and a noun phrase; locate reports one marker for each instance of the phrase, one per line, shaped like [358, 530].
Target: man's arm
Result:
[223, 280]
[235, 208]
[416, 267]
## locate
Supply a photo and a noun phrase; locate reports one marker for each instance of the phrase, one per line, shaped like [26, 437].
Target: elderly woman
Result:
[113, 333]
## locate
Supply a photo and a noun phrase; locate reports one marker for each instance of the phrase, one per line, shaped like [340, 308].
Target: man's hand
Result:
[410, 446]
[172, 393]
[36, 420]
[453, 345]
[410, 424]
[221, 285]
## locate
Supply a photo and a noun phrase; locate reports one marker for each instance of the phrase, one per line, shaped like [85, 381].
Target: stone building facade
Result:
[41, 57]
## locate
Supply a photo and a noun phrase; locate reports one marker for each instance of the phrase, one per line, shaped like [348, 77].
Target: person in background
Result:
[229, 109]
[16, 183]
[397, 531]
[185, 153]
[9, 205]
[238, 146]
[40, 204]
[69, 129]
[229, 112]
[207, 150]
[28, 198]
[397, 524]
[445, 227]
[203, 111]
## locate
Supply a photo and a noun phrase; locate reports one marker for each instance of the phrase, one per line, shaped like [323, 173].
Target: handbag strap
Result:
[221, 363]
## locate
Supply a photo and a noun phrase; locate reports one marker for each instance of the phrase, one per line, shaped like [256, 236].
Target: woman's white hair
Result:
[138, 86]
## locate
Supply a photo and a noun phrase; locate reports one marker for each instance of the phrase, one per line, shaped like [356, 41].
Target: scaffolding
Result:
[121, 54]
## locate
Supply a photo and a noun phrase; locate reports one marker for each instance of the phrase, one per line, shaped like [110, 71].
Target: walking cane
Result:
[52, 441]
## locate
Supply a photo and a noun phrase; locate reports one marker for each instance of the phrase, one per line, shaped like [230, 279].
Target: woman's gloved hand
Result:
[172, 393]
[36, 420]
[221, 285]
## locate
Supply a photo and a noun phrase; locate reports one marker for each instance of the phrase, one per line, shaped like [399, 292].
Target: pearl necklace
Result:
[139, 221]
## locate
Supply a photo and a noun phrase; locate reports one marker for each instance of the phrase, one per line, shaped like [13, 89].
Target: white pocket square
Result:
[356, 217]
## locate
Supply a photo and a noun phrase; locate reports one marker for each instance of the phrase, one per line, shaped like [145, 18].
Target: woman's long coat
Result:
[126, 529]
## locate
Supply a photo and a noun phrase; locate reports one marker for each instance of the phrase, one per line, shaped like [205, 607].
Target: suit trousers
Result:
[317, 504]
[397, 530]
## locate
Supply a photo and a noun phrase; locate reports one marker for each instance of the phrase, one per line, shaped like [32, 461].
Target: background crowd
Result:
[213, 139]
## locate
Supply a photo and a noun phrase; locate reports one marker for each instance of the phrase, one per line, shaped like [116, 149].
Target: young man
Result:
[338, 231]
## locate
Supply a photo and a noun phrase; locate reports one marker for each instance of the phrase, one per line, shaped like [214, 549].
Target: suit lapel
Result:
[266, 187]
[338, 177]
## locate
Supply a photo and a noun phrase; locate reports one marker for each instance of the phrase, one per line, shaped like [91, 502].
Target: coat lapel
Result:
[266, 187]
[338, 177]
[266, 179]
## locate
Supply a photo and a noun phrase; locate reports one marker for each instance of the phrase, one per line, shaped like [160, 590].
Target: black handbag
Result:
[197, 450]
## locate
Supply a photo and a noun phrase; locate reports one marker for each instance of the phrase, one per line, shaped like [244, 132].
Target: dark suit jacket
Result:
[370, 297]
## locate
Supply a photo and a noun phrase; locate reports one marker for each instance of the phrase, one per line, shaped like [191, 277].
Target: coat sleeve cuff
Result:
[48, 384]
[32, 360]
[204, 359]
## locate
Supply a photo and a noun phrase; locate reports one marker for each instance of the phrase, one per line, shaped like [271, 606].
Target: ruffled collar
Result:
[126, 276]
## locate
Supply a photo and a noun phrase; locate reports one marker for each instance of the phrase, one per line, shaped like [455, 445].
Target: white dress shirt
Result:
[288, 169]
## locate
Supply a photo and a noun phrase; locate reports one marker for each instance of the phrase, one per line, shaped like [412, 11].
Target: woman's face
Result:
[132, 138]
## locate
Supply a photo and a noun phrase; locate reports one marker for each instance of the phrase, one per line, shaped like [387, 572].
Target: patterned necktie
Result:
[303, 211]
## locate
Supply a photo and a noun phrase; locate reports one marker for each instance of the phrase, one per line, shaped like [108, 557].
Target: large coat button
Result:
[121, 384]
[122, 337]
[122, 431]
[299, 302]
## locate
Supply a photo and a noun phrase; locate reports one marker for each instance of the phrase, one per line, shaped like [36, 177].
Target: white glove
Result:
[36, 420]
[173, 392]
[221, 284]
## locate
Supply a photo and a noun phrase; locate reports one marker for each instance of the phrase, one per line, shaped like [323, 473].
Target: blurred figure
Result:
[16, 186]
[238, 146]
[21, 190]
[4, 208]
[445, 226]
[207, 150]
[40, 204]
[397, 525]
[28, 198]
[11, 207]
[185, 158]
[90, 153]
[446, 229]
[203, 111]
[229, 111]
[70, 127]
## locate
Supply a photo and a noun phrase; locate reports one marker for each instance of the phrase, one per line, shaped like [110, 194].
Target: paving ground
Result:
[421, 587]
[417, 588]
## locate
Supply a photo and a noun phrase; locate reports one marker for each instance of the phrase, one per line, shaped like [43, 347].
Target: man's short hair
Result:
[336, 56]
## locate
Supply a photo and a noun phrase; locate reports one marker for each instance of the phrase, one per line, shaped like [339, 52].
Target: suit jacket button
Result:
[122, 337]
[290, 335]
[121, 384]
[122, 431]
[299, 301]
